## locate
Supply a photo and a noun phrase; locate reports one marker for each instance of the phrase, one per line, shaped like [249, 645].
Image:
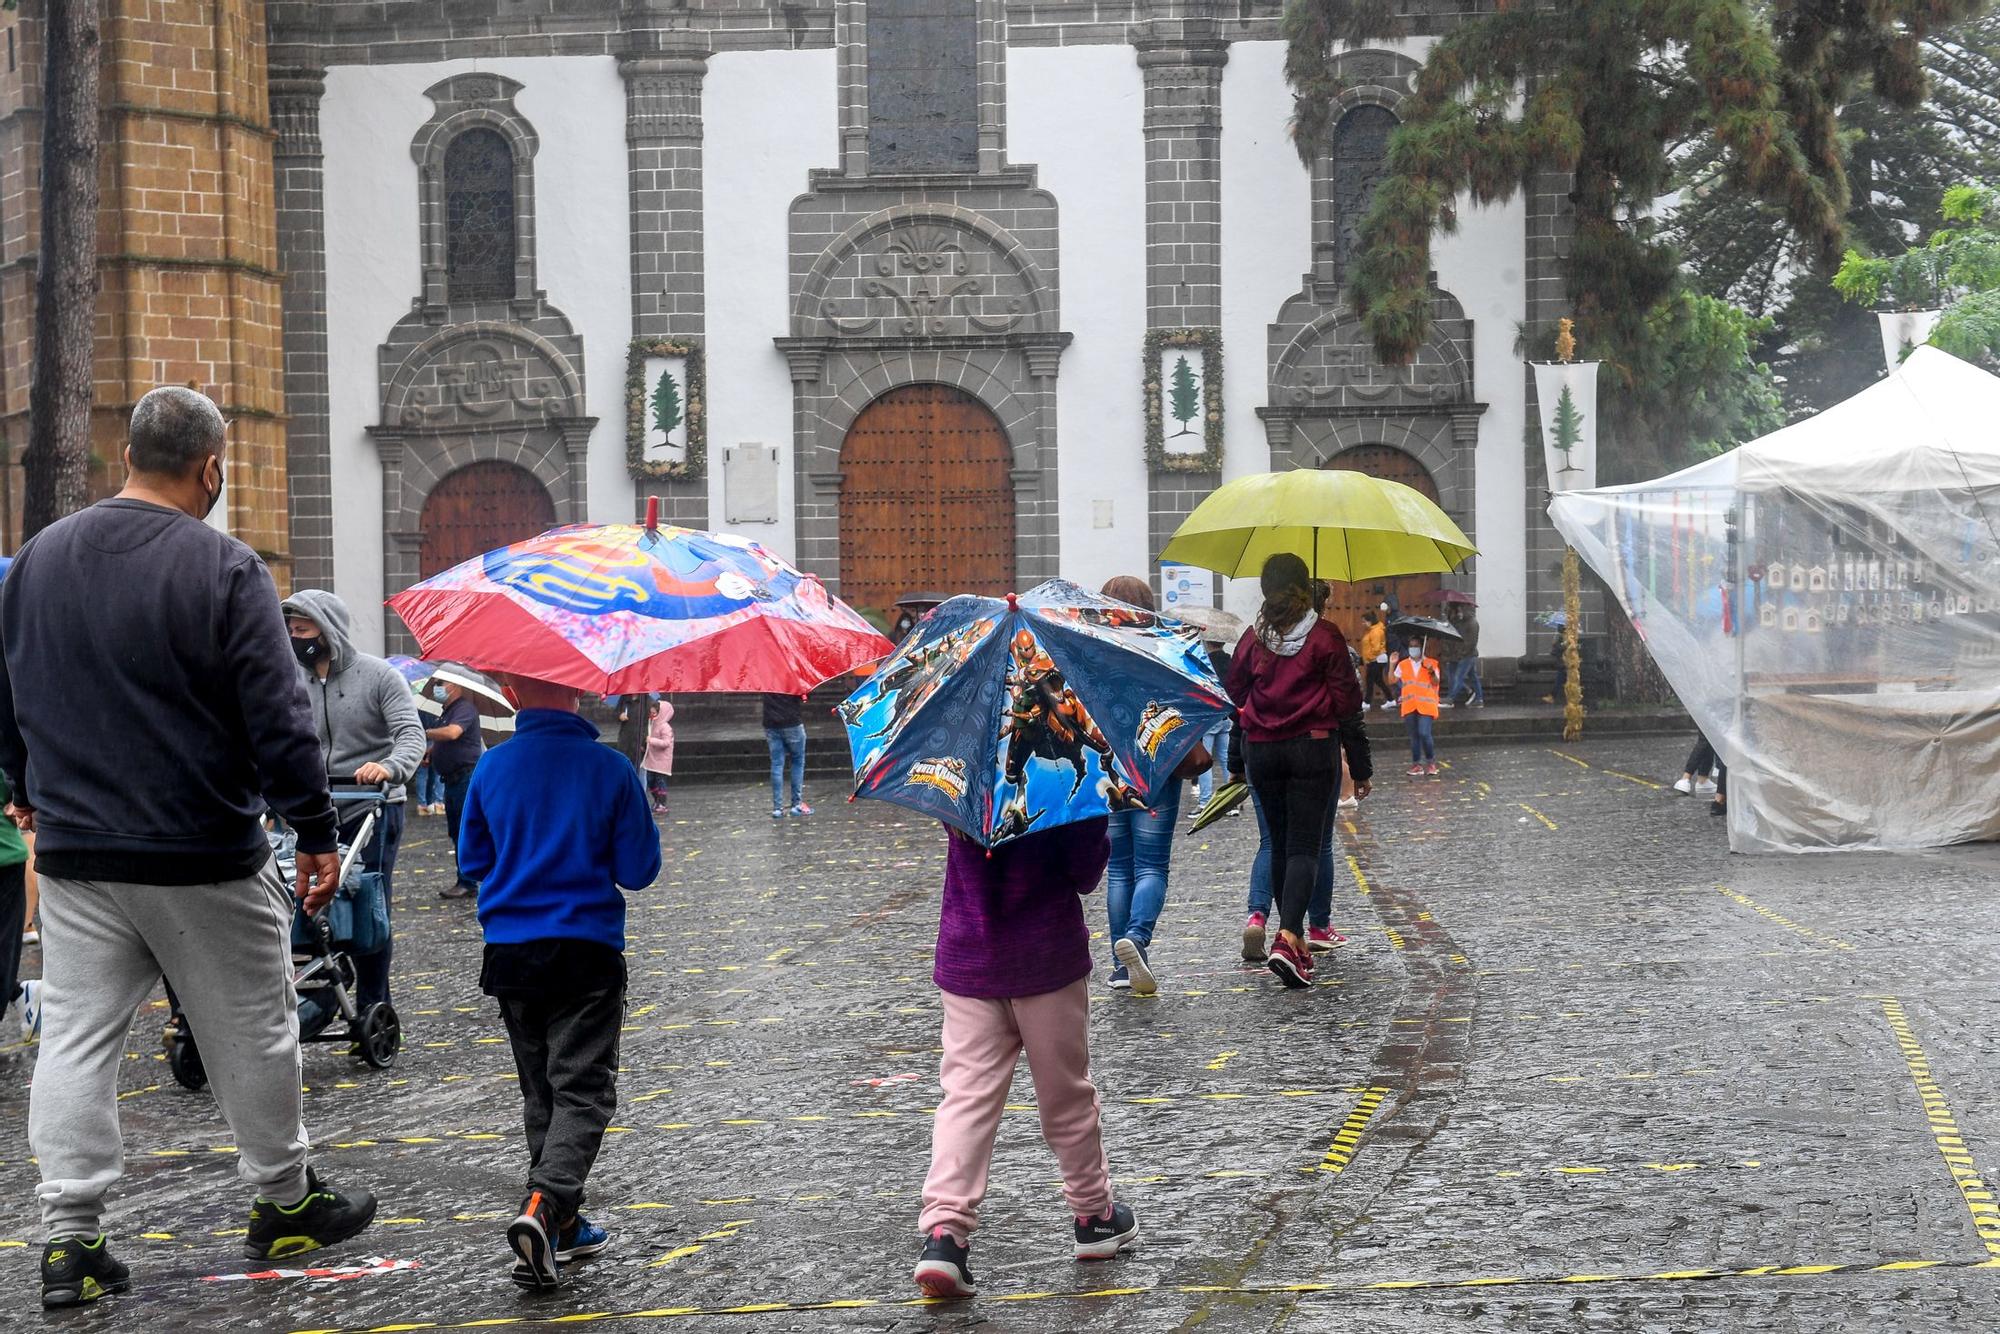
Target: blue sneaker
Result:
[777, 812]
[580, 1239]
[1133, 957]
[1120, 980]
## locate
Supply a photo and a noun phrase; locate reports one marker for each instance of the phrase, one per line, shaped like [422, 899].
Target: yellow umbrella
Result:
[1347, 526]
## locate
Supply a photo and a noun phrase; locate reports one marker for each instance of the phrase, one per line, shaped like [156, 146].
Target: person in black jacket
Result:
[785, 732]
[137, 640]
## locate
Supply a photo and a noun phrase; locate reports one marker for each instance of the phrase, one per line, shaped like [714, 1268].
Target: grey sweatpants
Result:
[227, 950]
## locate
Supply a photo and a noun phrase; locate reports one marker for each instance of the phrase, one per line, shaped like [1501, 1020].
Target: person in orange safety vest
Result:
[1418, 679]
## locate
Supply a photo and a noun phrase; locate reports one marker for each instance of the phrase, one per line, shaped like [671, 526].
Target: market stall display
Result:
[1826, 602]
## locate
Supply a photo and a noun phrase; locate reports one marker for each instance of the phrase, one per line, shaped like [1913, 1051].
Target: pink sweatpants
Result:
[982, 1041]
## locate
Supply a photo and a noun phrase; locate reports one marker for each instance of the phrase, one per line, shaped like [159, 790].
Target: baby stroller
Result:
[355, 921]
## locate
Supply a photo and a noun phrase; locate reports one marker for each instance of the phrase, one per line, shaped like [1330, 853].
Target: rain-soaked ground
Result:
[1579, 1069]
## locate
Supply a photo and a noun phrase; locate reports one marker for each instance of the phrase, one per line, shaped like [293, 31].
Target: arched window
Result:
[1360, 161]
[479, 217]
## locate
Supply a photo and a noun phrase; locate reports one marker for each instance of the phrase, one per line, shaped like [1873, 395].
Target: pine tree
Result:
[666, 405]
[1603, 91]
[1186, 401]
[1569, 428]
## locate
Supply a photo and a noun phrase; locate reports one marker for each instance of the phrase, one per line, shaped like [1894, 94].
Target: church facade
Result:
[954, 294]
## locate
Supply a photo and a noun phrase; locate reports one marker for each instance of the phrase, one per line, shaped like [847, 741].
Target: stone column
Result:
[663, 68]
[1182, 61]
[296, 91]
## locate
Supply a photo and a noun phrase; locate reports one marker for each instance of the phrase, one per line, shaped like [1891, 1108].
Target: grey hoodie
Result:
[1288, 644]
[363, 710]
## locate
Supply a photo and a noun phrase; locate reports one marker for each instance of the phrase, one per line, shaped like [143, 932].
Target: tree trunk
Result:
[57, 462]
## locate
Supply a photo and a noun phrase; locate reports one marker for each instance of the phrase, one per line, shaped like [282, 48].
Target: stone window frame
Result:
[464, 102]
[1368, 76]
[850, 37]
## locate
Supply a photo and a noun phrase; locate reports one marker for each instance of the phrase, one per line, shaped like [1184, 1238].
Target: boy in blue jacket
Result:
[554, 825]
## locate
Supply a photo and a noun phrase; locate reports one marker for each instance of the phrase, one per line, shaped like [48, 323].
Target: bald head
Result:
[175, 430]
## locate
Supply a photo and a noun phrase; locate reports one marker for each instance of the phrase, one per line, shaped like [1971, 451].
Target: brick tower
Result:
[187, 242]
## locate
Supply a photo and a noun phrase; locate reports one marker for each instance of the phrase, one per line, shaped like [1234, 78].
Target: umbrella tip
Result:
[1013, 602]
[652, 514]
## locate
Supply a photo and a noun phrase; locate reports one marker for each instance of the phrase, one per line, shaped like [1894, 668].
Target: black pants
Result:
[1296, 782]
[13, 912]
[1701, 759]
[371, 971]
[566, 1052]
[455, 787]
[1377, 679]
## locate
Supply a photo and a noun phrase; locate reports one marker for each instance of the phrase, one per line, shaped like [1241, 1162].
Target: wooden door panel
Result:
[927, 498]
[1418, 593]
[478, 508]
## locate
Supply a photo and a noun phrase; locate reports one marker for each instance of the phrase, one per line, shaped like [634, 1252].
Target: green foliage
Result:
[1957, 269]
[1185, 395]
[1598, 95]
[666, 404]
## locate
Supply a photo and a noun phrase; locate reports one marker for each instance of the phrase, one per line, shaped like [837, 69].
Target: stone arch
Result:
[924, 271]
[464, 102]
[865, 377]
[1330, 361]
[482, 370]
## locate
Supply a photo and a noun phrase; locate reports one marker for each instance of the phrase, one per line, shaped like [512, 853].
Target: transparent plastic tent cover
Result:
[1826, 602]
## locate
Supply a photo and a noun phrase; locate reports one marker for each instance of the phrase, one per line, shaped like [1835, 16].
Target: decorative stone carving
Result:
[1329, 363]
[925, 278]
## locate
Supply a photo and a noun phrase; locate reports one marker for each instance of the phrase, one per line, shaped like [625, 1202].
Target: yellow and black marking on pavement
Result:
[1347, 1140]
[1972, 1187]
[1778, 919]
[1253, 1290]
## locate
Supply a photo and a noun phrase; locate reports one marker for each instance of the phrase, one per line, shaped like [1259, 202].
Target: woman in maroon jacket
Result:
[1293, 683]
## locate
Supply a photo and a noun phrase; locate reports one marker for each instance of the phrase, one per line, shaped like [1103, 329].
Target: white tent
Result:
[1826, 602]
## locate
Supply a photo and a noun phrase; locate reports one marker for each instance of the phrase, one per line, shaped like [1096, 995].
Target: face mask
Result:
[437, 692]
[1383, 607]
[215, 495]
[1416, 651]
[309, 651]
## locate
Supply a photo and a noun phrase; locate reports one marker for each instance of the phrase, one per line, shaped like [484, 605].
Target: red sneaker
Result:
[1253, 938]
[1320, 939]
[1432, 768]
[1416, 771]
[1293, 965]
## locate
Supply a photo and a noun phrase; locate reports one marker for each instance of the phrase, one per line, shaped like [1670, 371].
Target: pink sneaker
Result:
[1416, 771]
[1253, 938]
[1320, 939]
[1293, 965]
[1432, 768]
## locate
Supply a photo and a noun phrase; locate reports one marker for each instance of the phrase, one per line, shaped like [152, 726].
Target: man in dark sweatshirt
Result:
[150, 711]
[555, 825]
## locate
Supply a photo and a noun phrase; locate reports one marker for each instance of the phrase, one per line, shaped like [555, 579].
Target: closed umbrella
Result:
[1346, 526]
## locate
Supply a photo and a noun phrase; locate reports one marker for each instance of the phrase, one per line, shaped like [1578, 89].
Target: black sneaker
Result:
[458, 890]
[1102, 1238]
[944, 1268]
[75, 1271]
[322, 1218]
[532, 1236]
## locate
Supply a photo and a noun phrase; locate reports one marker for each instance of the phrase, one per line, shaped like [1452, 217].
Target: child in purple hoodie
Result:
[1013, 962]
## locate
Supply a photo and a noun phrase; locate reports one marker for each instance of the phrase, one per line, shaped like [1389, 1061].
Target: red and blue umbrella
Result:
[623, 609]
[1004, 717]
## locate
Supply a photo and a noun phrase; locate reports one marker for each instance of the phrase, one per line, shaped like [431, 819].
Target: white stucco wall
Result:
[1266, 252]
[577, 108]
[1075, 113]
[768, 118]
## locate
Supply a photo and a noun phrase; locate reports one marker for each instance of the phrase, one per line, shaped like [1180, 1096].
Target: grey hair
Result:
[174, 429]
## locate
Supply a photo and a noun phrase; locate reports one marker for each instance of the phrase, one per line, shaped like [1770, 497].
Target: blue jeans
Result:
[788, 756]
[371, 971]
[1465, 672]
[1135, 881]
[1423, 744]
[1217, 742]
[1319, 911]
[430, 787]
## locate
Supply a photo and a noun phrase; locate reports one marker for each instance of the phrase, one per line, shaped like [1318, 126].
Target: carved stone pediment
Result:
[482, 375]
[1327, 362]
[924, 274]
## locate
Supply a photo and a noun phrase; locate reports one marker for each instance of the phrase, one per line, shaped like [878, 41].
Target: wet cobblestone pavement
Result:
[1578, 1070]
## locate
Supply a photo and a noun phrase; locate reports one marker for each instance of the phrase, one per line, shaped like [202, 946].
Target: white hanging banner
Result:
[1567, 394]
[1903, 330]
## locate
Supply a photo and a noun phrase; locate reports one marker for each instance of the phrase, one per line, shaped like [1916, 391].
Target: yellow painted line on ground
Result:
[1347, 1140]
[1277, 1290]
[1778, 919]
[1571, 758]
[1972, 1188]
[1221, 1060]
[1537, 814]
[1360, 880]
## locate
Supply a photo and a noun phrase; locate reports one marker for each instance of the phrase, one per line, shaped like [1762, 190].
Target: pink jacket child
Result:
[1013, 964]
[660, 753]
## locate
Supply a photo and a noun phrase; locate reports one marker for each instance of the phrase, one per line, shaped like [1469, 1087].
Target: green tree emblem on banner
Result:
[666, 404]
[1569, 428]
[1185, 396]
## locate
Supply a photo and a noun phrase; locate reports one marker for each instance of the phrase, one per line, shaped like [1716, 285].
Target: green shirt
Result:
[13, 848]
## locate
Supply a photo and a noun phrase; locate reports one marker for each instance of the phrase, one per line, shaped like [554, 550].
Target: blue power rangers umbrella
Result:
[1003, 717]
